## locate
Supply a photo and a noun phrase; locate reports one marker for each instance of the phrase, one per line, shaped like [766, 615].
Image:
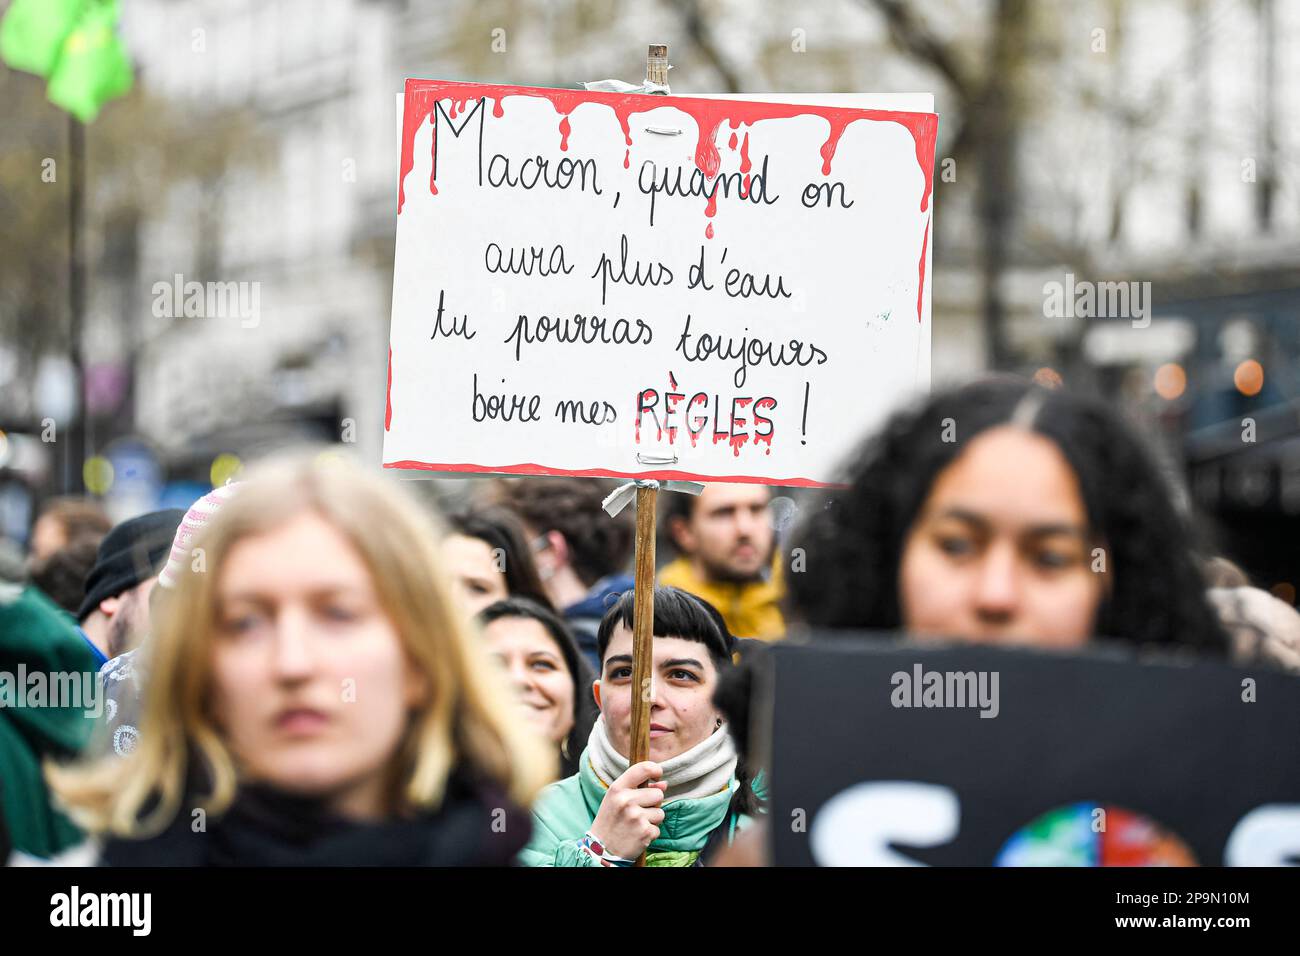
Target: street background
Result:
[1104, 141]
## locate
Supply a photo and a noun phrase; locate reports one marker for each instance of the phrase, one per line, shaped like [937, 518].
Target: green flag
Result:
[33, 32]
[74, 45]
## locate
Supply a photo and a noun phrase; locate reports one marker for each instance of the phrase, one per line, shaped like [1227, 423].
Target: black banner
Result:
[883, 753]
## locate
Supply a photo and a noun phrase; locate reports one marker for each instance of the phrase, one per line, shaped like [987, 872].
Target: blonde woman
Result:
[314, 697]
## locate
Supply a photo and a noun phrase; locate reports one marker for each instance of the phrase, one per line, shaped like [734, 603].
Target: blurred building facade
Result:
[1152, 144]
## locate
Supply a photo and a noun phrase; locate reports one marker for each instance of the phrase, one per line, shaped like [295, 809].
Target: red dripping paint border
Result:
[422, 96]
[535, 470]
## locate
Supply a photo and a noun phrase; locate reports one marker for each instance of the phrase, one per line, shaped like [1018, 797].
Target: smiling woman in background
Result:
[550, 677]
[315, 698]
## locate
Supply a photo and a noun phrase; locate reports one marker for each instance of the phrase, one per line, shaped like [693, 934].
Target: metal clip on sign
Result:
[620, 497]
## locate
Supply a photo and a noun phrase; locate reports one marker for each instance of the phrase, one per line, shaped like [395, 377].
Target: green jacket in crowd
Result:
[37, 637]
[565, 810]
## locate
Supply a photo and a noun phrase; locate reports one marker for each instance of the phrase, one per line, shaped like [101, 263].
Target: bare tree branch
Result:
[914, 38]
[697, 29]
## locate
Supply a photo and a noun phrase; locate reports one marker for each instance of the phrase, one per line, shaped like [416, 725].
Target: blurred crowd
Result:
[311, 667]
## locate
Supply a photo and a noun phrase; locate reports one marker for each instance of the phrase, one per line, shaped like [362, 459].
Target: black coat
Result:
[475, 826]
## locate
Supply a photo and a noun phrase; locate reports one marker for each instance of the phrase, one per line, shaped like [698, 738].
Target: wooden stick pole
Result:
[643, 617]
[643, 593]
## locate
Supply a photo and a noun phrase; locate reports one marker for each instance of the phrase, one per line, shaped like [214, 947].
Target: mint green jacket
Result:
[564, 812]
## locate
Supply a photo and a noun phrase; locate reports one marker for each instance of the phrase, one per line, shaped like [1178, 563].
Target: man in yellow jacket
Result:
[726, 545]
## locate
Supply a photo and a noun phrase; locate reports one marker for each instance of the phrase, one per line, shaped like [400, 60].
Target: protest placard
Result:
[978, 756]
[623, 285]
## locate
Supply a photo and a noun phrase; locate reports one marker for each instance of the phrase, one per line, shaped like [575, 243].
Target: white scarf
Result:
[705, 769]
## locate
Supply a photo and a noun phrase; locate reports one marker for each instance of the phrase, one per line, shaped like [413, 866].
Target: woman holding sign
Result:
[315, 698]
[692, 795]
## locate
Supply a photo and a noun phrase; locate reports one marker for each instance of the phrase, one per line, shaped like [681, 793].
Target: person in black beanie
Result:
[114, 613]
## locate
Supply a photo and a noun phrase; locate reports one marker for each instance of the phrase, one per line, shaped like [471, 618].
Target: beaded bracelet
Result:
[595, 849]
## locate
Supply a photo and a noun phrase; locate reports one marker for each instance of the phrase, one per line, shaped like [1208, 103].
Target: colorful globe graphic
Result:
[1074, 835]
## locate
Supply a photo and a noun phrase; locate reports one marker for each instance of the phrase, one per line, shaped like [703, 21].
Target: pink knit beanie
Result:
[200, 514]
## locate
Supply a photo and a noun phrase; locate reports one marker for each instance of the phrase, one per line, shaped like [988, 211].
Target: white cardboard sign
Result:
[642, 286]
